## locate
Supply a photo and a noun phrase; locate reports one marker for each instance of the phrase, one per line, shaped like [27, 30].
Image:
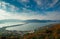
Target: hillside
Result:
[45, 33]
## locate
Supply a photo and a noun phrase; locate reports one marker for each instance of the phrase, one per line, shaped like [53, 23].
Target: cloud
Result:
[13, 8]
[39, 3]
[52, 15]
[0, 3]
[8, 6]
[54, 2]
[26, 16]
[9, 15]
[23, 0]
[49, 16]
[21, 16]
[46, 4]
[3, 5]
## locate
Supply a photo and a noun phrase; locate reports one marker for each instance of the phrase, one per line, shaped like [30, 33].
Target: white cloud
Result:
[22, 1]
[30, 15]
[5, 5]
[39, 3]
[52, 15]
[8, 15]
[54, 2]
[51, 5]
[0, 3]
[23, 16]
[13, 8]
[49, 16]
[46, 4]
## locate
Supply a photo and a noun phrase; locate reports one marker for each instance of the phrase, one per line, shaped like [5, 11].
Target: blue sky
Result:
[30, 9]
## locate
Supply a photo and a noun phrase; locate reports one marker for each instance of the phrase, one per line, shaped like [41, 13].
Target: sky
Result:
[30, 9]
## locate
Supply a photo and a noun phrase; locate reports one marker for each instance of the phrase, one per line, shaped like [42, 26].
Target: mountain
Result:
[27, 21]
[40, 21]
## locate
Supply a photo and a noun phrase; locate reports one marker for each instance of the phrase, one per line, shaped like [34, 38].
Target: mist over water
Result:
[9, 24]
[26, 24]
[29, 26]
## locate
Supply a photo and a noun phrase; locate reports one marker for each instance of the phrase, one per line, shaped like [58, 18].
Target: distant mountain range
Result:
[41, 21]
[28, 21]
